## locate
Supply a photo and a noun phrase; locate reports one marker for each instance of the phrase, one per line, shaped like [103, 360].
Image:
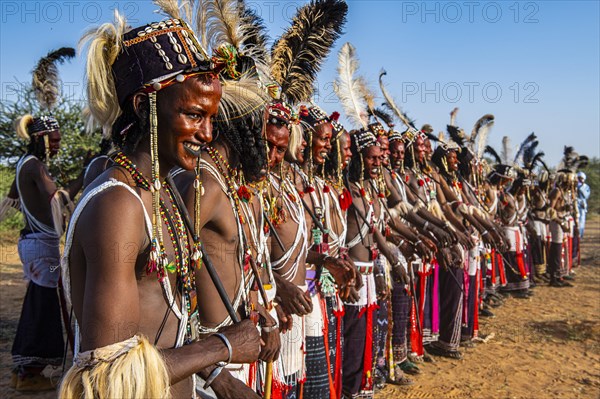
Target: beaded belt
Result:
[364, 268]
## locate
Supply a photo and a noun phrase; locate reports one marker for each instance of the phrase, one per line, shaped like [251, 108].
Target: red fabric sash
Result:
[520, 259]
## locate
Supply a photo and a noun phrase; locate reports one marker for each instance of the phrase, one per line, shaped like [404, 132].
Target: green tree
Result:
[75, 142]
[592, 172]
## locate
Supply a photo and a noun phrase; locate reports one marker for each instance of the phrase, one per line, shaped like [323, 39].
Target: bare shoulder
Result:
[111, 216]
[34, 168]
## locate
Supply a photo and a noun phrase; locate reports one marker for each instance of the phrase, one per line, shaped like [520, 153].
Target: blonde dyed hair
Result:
[21, 126]
[296, 137]
[117, 371]
[104, 45]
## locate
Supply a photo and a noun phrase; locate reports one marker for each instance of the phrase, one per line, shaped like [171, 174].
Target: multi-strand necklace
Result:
[184, 269]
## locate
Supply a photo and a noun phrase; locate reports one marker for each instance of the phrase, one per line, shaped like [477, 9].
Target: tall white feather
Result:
[349, 88]
[225, 25]
[506, 153]
[482, 137]
[453, 116]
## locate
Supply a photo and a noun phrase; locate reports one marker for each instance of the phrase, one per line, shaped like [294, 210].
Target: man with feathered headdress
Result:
[39, 339]
[156, 90]
[562, 223]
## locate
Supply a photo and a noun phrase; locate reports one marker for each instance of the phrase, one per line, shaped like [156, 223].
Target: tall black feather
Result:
[535, 160]
[541, 161]
[432, 137]
[45, 77]
[456, 135]
[489, 150]
[257, 37]
[411, 121]
[527, 142]
[297, 55]
[382, 115]
[529, 153]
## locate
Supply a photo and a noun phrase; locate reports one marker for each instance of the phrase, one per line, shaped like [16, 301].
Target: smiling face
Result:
[396, 154]
[185, 113]
[384, 143]
[428, 149]
[372, 157]
[278, 137]
[54, 142]
[452, 161]
[345, 149]
[321, 143]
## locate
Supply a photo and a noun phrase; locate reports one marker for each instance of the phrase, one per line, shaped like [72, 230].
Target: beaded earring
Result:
[47, 148]
[340, 163]
[198, 192]
[158, 256]
[310, 157]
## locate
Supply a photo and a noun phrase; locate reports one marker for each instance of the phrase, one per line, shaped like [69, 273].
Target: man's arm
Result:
[111, 299]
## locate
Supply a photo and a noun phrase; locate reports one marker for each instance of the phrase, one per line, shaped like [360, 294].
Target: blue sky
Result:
[534, 64]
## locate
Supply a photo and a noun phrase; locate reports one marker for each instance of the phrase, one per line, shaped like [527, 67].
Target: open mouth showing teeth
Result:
[375, 170]
[192, 148]
[324, 155]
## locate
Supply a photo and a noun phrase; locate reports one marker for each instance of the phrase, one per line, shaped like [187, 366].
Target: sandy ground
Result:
[547, 346]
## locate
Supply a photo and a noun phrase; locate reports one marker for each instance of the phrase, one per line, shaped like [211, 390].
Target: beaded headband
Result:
[377, 129]
[281, 112]
[364, 139]
[313, 116]
[42, 125]
[394, 135]
[157, 55]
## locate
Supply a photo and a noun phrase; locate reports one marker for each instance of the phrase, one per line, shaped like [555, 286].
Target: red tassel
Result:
[345, 200]
[367, 381]
[326, 189]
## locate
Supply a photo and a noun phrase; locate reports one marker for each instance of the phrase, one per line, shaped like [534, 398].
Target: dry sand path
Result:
[547, 346]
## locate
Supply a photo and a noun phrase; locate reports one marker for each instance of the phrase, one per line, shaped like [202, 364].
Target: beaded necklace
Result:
[229, 179]
[184, 269]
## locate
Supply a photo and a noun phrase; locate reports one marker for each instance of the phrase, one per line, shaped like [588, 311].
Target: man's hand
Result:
[285, 320]
[272, 339]
[293, 299]
[441, 236]
[245, 341]
[422, 250]
[380, 286]
[429, 243]
[399, 273]
[342, 270]
[228, 387]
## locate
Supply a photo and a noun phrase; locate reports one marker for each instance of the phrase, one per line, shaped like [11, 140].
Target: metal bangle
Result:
[212, 376]
[229, 349]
